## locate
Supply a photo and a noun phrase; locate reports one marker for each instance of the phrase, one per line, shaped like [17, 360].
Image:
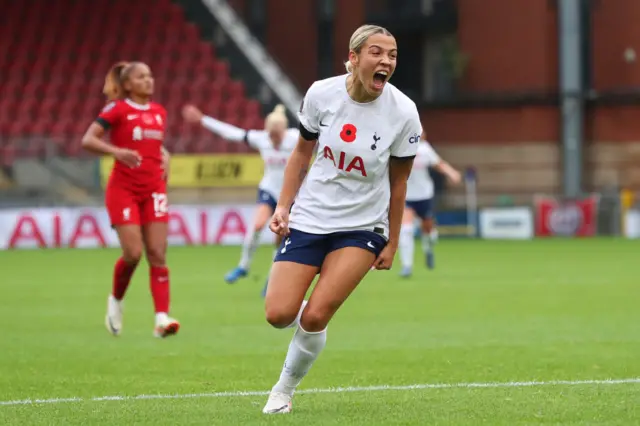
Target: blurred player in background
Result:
[274, 144]
[347, 215]
[420, 193]
[136, 195]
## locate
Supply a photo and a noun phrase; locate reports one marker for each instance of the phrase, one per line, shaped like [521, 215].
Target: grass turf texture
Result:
[490, 312]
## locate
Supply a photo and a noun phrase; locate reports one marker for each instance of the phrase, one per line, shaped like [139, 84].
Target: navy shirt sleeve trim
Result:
[409, 157]
[104, 123]
[307, 135]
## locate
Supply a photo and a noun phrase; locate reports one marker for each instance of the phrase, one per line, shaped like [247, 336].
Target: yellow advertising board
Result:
[205, 171]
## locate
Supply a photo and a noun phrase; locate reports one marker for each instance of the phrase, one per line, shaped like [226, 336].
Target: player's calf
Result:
[406, 248]
[428, 242]
[122, 272]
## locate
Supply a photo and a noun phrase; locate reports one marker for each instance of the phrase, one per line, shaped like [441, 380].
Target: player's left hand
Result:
[166, 158]
[385, 259]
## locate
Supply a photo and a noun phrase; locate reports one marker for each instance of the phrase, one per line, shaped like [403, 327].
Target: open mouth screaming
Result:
[379, 79]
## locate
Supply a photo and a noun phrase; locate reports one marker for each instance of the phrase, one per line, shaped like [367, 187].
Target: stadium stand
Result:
[54, 56]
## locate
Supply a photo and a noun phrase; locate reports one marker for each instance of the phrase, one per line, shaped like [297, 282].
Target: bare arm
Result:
[295, 172]
[225, 130]
[399, 170]
[92, 141]
[229, 132]
[451, 173]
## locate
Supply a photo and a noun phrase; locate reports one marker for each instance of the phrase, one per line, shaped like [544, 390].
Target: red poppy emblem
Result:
[348, 133]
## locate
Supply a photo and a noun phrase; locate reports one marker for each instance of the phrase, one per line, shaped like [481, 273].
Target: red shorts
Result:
[129, 208]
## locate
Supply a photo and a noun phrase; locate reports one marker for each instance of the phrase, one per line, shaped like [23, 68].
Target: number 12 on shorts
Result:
[160, 204]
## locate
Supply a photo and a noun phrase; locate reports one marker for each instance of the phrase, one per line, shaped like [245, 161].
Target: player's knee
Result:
[315, 318]
[156, 256]
[427, 225]
[132, 255]
[278, 316]
[261, 222]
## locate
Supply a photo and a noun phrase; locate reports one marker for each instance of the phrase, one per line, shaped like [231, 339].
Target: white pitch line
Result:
[236, 394]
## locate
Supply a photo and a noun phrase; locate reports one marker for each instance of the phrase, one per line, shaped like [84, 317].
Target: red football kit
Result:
[138, 195]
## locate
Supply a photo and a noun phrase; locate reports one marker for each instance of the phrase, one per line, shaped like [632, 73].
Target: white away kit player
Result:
[420, 194]
[274, 144]
[348, 209]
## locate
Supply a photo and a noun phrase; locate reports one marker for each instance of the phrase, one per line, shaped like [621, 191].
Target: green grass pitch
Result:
[492, 314]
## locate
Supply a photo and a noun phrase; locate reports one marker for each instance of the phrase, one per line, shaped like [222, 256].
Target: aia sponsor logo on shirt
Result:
[276, 161]
[345, 163]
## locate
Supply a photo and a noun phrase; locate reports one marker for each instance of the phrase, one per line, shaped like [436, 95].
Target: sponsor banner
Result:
[575, 218]
[204, 171]
[632, 223]
[513, 223]
[89, 227]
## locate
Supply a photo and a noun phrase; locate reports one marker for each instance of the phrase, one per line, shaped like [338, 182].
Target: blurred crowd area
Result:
[485, 75]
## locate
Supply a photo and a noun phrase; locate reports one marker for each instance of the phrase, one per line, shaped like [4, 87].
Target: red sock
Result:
[122, 273]
[159, 276]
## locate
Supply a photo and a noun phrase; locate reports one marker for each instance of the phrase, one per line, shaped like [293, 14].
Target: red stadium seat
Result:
[235, 90]
[51, 57]
[252, 108]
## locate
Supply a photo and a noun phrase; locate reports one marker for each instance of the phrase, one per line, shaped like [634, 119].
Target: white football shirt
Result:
[420, 184]
[347, 187]
[275, 159]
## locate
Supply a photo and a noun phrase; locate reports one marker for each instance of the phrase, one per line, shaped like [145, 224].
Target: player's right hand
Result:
[455, 177]
[128, 157]
[280, 222]
[191, 114]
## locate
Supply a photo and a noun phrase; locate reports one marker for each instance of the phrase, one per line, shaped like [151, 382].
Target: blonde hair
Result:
[278, 115]
[360, 37]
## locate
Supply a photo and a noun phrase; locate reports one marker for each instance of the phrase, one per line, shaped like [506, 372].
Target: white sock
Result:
[249, 248]
[296, 322]
[161, 317]
[427, 243]
[406, 244]
[303, 351]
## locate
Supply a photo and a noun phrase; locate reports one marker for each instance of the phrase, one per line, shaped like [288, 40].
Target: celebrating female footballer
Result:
[274, 144]
[347, 215]
[136, 195]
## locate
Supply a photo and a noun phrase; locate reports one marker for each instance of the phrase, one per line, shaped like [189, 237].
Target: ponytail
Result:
[349, 67]
[113, 88]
